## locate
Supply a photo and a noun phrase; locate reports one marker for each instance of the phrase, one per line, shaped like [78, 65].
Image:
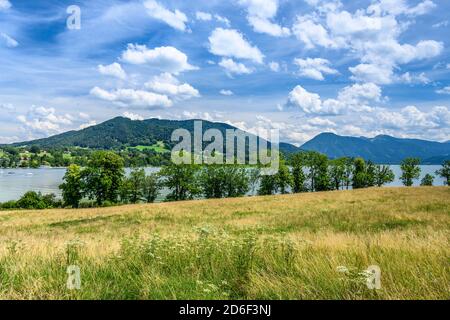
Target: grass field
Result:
[278, 247]
[158, 147]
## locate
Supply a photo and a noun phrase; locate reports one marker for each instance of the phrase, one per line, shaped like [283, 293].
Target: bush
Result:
[9, 205]
[35, 200]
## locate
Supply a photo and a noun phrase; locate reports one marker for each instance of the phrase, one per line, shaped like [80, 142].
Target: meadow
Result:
[303, 246]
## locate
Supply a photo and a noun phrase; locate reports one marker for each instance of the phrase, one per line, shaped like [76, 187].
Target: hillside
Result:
[381, 149]
[275, 247]
[122, 132]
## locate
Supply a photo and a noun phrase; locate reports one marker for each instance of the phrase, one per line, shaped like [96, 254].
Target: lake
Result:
[15, 182]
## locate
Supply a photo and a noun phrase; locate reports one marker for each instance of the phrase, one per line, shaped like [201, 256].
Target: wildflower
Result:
[342, 269]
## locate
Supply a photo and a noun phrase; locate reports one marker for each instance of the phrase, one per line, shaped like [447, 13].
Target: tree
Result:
[427, 180]
[150, 188]
[220, 181]
[268, 185]
[348, 172]
[182, 180]
[370, 174]
[283, 178]
[359, 174]
[317, 165]
[135, 183]
[337, 173]
[31, 200]
[445, 172]
[410, 171]
[72, 187]
[383, 175]
[104, 176]
[237, 181]
[298, 162]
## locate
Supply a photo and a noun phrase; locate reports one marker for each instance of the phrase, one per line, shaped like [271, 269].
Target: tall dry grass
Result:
[279, 247]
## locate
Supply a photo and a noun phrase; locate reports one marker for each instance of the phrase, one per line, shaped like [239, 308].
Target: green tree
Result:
[237, 181]
[427, 180]
[337, 173]
[317, 166]
[410, 171]
[150, 187]
[298, 162]
[104, 176]
[135, 183]
[383, 175]
[72, 187]
[31, 200]
[445, 172]
[283, 178]
[359, 174]
[268, 185]
[348, 172]
[182, 180]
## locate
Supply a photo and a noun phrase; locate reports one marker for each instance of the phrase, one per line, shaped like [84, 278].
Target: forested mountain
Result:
[119, 133]
[381, 149]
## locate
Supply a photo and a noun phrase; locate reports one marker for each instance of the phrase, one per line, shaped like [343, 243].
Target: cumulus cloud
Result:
[260, 15]
[372, 35]
[203, 16]
[231, 43]
[8, 41]
[44, 121]
[233, 67]
[133, 116]
[314, 68]
[445, 90]
[351, 98]
[114, 70]
[168, 59]
[226, 92]
[4, 5]
[176, 19]
[133, 98]
[168, 85]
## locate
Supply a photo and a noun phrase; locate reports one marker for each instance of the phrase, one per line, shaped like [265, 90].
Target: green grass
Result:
[158, 147]
[277, 247]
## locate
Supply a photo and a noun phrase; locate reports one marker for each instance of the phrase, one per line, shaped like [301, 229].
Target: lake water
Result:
[15, 182]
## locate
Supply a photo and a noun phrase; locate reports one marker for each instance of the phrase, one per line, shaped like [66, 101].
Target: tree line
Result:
[103, 182]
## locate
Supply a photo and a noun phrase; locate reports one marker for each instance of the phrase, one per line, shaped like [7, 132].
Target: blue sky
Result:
[363, 68]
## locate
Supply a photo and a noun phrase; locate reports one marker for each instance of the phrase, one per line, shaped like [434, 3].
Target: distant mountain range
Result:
[122, 132]
[381, 149]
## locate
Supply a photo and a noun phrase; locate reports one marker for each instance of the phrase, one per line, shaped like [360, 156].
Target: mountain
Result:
[381, 149]
[122, 132]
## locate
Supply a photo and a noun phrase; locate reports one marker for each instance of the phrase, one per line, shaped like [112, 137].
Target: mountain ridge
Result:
[121, 132]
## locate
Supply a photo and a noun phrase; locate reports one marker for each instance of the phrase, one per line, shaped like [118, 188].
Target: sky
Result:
[356, 68]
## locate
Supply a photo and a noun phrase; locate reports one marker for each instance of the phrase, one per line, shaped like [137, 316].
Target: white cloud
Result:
[4, 5]
[312, 34]
[309, 103]
[274, 66]
[203, 16]
[8, 41]
[91, 123]
[440, 24]
[133, 98]
[445, 90]
[113, 69]
[226, 92]
[371, 35]
[351, 98]
[222, 20]
[314, 68]
[231, 43]
[133, 116]
[176, 19]
[321, 122]
[234, 67]
[168, 59]
[7, 107]
[260, 14]
[170, 86]
[44, 121]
